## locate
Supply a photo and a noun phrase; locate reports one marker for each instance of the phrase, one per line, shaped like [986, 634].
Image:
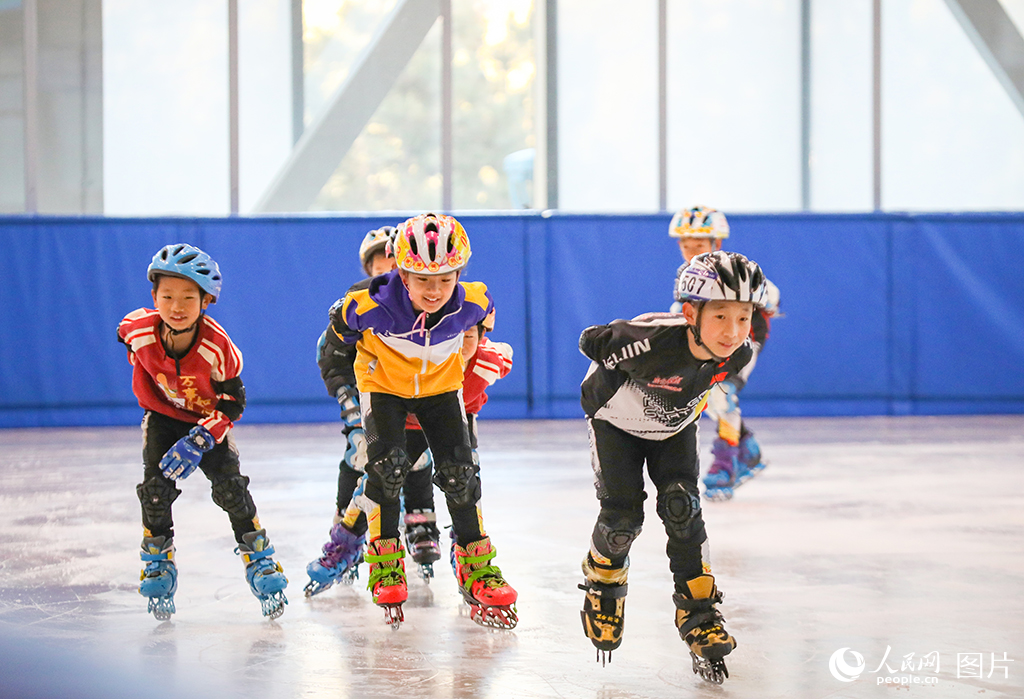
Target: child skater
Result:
[408, 327]
[186, 378]
[486, 362]
[344, 550]
[646, 387]
[736, 451]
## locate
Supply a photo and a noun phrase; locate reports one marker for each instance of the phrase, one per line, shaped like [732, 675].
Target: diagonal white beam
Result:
[996, 37]
[323, 145]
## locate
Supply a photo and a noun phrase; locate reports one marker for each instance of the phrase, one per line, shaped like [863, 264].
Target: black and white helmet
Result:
[721, 276]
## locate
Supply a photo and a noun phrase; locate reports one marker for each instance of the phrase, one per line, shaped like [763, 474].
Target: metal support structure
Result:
[662, 105]
[876, 103]
[323, 145]
[233, 102]
[998, 41]
[551, 99]
[805, 104]
[30, 32]
[447, 168]
[298, 73]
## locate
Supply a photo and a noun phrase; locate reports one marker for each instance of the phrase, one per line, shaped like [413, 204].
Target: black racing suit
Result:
[643, 395]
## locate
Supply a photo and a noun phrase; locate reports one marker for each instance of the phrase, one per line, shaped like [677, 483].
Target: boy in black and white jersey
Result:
[643, 394]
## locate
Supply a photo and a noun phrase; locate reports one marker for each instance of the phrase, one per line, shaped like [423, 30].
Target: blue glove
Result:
[182, 459]
[348, 400]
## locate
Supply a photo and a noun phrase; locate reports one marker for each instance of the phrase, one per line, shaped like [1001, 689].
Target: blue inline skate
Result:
[750, 453]
[265, 577]
[159, 576]
[727, 472]
[340, 562]
[733, 466]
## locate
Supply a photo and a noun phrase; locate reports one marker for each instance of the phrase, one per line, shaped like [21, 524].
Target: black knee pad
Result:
[231, 494]
[156, 495]
[679, 508]
[389, 471]
[457, 477]
[615, 531]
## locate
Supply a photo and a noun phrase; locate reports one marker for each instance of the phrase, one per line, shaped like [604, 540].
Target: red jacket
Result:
[492, 361]
[203, 387]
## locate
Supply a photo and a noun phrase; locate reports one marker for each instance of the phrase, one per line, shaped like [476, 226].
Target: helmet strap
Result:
[173, 332]
[695, 329]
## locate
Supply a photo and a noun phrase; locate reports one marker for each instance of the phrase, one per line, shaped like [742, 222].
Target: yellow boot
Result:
[700, 626]
[604, 607]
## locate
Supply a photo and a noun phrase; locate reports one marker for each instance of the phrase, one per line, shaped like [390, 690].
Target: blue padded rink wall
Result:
[888, 522]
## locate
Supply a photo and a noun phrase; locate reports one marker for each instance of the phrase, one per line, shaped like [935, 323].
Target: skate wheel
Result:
[713, 671]
[273, 605]
[718, 494]
[161, 607]
[503, 617]
[393, 615]
[314, 588]
[426, 572]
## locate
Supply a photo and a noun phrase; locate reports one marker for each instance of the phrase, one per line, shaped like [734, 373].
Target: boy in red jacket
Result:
[186, 378]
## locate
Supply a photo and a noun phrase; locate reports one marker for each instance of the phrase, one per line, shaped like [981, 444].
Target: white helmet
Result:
[699, 222]
[373, 242]
[721, 276]
[431, 244]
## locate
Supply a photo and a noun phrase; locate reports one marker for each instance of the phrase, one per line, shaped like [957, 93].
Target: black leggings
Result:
[443, 420]
[418, 492]
[618, 459]
[230, 489]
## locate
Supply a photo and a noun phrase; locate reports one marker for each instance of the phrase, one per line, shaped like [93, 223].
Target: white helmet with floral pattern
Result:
[431, 244]
[699, 222]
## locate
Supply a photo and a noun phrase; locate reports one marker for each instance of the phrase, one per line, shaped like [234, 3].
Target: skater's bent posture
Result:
[408, 328]
[647, 385]
[186, 378]
[485, 363]
[736, 451]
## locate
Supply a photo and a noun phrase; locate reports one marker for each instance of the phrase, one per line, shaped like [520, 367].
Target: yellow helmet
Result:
[432, 244]
[699, 222]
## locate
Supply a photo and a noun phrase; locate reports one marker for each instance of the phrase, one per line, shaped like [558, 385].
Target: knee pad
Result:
[457, 478]
[615, 531]
[355, 453]
[424, 462]
[156, 495]
[231, 494]
[678, 508]
[388, 472]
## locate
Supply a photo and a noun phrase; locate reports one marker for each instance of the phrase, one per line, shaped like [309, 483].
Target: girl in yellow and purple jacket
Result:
[408, 327]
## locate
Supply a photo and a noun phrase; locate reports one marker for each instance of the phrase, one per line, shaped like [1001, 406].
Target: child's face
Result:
[381, 264]
[695, 246]
[429, 292]
[470, 341]
[724, 324]
[179, 301]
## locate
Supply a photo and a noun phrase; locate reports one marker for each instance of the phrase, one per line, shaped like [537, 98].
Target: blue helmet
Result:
[188, 262]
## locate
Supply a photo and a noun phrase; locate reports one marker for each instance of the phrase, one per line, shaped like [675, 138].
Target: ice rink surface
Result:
[898, 539]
